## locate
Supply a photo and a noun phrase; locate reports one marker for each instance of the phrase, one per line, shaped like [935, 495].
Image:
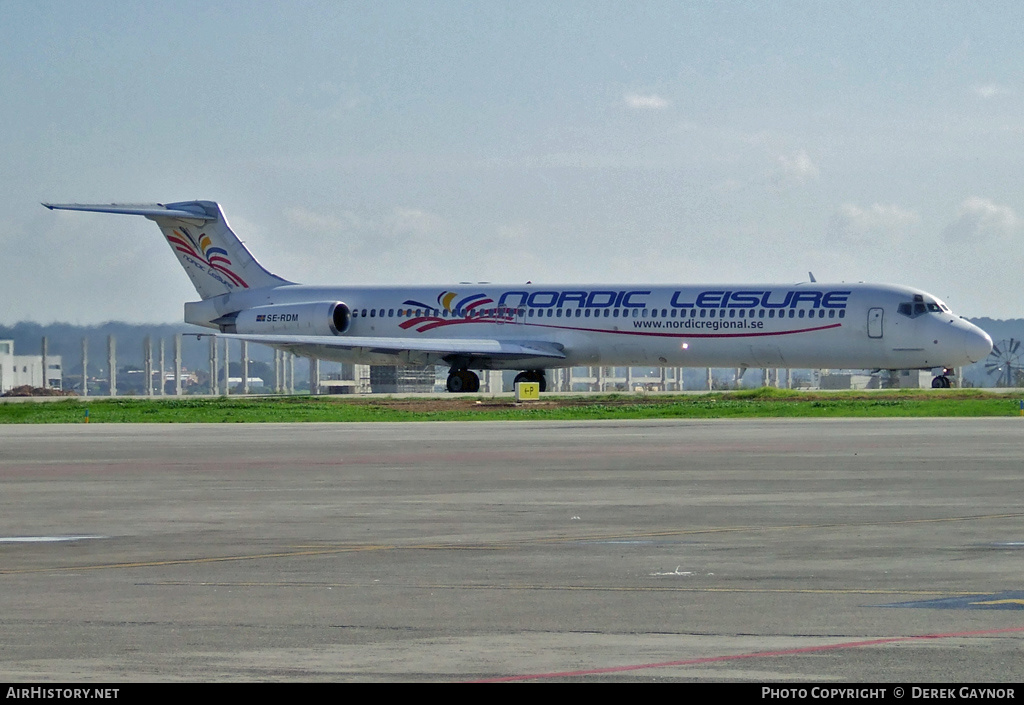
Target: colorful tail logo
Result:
[203, 250]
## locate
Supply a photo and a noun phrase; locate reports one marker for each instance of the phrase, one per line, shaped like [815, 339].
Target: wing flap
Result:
[473, 347]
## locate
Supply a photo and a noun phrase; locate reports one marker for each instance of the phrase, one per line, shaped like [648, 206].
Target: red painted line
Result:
[231, 275]
[429, 323]
[736, 657]
[689, 335]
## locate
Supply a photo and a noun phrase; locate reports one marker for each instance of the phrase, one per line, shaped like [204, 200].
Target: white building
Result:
[19, 370]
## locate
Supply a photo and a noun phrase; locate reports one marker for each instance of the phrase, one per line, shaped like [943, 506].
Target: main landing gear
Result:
[532, 376]
[462, 380]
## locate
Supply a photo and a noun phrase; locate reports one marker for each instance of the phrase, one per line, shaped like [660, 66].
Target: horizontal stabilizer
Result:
[150, 210]
[199, 235]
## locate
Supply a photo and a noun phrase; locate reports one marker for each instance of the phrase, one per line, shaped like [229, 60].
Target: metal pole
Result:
[163, 381]
[85, 366]
[45, 362]
[245, 366]
[213, 365]
[227, 367]
[147, 348]
[112, 364]
[177, 364]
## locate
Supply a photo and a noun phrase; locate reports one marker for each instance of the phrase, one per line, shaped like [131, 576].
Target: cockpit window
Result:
[920, 306]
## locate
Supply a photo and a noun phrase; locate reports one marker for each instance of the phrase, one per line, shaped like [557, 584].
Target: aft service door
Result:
[875, 323]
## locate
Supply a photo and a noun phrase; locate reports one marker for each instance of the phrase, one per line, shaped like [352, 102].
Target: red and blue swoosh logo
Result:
[467, 309]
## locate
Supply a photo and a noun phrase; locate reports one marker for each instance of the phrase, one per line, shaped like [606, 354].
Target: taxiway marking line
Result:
[189, 561]
[567, 588]
[502, 545]
[756, 654]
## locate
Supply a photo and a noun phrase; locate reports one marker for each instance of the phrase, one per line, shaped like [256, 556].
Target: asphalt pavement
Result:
[770, 550]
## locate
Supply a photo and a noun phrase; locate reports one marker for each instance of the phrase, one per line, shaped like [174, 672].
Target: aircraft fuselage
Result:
[742, 325]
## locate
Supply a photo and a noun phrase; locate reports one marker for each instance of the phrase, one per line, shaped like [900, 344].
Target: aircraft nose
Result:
[977, 344]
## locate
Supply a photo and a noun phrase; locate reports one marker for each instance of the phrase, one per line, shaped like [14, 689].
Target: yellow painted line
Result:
[324, 551]
[505, 545]
[756, 528]
[570, 588]
[190, 561]
[1000, 602]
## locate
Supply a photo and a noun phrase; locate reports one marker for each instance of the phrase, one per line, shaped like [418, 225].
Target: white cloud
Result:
[981, 219]
[877, 224]
[400, 224]
[344, 247]
[645, 102]
[327, 99]
[320, 223]
[413, 222]
[990, 90]
[798, 166]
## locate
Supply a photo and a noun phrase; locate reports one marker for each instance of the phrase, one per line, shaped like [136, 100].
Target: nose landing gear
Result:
[942, 381]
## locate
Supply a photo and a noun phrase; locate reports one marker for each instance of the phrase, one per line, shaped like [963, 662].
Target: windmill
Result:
[1006, 360]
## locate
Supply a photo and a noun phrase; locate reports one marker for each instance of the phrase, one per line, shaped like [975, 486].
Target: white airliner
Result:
[534, 327]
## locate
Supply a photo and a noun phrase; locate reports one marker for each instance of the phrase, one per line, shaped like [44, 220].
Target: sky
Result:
[423, 142]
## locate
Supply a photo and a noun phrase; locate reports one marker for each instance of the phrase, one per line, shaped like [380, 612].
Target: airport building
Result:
[27, 370]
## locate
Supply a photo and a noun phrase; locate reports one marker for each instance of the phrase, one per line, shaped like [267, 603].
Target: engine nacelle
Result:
[314, 318]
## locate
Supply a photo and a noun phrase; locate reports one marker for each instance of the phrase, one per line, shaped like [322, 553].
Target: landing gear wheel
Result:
[532, 376]
[455, 383]
[463, 381]
[941, 382]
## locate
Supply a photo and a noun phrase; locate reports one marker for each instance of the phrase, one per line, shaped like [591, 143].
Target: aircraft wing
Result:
[406, 347]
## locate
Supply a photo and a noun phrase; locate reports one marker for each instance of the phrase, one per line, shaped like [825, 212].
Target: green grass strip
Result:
[755, 403]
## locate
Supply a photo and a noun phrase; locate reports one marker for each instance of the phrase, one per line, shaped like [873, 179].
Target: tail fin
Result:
[213, 257]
